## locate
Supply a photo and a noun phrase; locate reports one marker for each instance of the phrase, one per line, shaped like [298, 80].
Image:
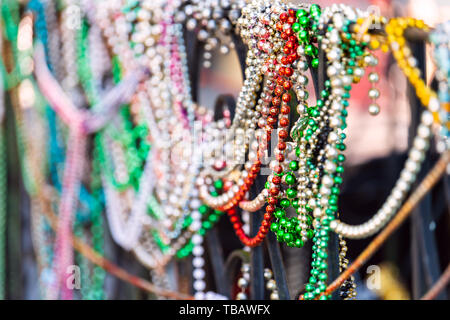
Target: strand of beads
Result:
[212, 21]
[440, 37]
[271, 285]
[279, 109]
[416, 155]
[348, 288]
[328, 136]
[395, 29]
[295, 231]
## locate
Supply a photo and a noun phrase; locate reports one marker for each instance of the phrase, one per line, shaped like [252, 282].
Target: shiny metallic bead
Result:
[374, 109]
[373, 77]
[241, 296]
[374, 93]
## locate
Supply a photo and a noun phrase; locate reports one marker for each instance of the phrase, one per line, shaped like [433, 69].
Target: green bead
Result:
[308, 296]
[279, 213]
[285, 203]
[309, 50]
[322, 266]
[340, 169]
[293, 165]
[309, 234]
[287, 237]
[299, 243]
[283, 222]
[295, 204]
[291, 193]
[309, 287]
[304, 21]
[314, 8]
[288, 225]
[300, 13]
[297, 152]
[203, 209]
[323, 276]
[296, 27]
[303, 35]
[274, 227]
[290, 179]
[280, 233]
[206, 224]
[332, 201]
[218, 184]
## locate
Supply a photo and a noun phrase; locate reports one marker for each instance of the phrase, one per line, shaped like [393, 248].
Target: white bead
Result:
[197, 239]
[198, 251]
[199, 295]
[199, 285]
[198, 274]
[198, 262]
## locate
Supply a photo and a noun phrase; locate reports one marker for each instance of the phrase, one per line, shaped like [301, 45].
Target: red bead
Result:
[274, 191]
[279, 26]
[287, 85]
[284, 35]
[290, 44]
[237, 226]
[265, 223]
[281, 146]
[283, 17]
[287, 50]
[288, 71]
[280, 157]
[234, 219]
[276, 101]
[291, 12]
[278, 169]
[267, 216]
[285, 60]
[286, 97]
[270, 209]
[293, 56]
[283, 134]
[285, 109]
[278, 91]
[273, 111]
[284, 122]
[276, 180]
[280, 81]
[272, 200]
